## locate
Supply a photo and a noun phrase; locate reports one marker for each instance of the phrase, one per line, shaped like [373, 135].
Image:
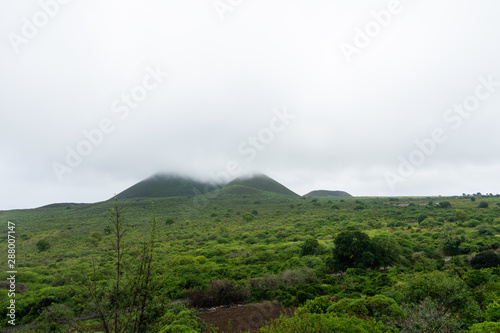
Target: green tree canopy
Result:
[310, 247]
[483, 204]
[387, 249]
[43, 245]
[353, 249]
[485, 259]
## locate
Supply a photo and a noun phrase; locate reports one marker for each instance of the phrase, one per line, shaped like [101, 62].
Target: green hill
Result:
[166, 185]
[325, 193]
[253, 245]
[261, 182]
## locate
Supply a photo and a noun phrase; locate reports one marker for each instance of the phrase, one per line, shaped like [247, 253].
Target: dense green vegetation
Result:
[320, 255]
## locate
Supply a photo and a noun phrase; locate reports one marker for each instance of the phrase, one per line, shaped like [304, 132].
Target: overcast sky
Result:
[371, 97]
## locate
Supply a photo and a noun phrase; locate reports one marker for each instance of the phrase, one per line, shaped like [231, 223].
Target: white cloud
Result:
[353, 119]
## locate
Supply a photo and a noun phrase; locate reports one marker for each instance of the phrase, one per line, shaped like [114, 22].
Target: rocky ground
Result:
[243, 318]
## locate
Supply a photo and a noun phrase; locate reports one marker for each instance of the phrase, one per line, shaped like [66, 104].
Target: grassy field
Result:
[255, 242]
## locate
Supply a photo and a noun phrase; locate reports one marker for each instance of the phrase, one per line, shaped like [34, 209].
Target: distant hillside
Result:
[166, 185]
[239, 190]
[259, 182]
[325, 193]
[59, 205]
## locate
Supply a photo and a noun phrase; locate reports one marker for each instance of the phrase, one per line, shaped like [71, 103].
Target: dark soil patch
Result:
[243, 317]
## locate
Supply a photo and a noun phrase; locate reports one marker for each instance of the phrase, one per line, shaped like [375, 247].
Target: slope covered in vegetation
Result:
[321, 256]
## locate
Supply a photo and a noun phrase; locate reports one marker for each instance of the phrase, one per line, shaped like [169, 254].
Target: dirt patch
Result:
[243, 318]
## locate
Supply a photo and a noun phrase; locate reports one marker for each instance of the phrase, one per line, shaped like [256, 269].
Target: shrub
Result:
[451, 246]
[379, 307]
[108, 230]
[445, 204]
[97, 235]
[178, 318]
[219, 292]
[475, 278]
[461, 215]
[297, 276]
[310, 247]
[359, 207]
[52, 317]
[426, 316]
[421, 217]
[449, 293]
[318, 323]
[248, 217]
[493, 310]
[485, 259]
[318, 305]
[483, 204]
[43, 245]
[485, 327]
[472, 223]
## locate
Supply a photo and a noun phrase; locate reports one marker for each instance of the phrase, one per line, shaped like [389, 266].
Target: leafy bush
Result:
[485, 259]
[379, 307]
[178, 318]
[421, 217]
[493, 310]
[472, 223]
[52, 318]
[248, 217]
[461, 215]
[451, 246]
[449, 293]
[483, 204]
[485, 327]
[43, 245]
[219, 292]
[426, 316]
[318, 305]
[310, 247]
[475, 278]
[319, 323]
[294, 277]
[445, 204]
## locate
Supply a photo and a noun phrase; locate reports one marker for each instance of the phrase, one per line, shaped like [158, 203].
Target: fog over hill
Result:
[167, 185]
[173, 185]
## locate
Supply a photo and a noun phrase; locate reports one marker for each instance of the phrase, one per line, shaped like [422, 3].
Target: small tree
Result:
[310, 247]
[53, 318]
[387, 250]
[43, 245]
[485, 259]
[421, 217]
[461, 215]
[248, 217]
[127, 301]
[353, 249]
[483, 204]
[445, 204]
[108, 230]
[451, 246]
